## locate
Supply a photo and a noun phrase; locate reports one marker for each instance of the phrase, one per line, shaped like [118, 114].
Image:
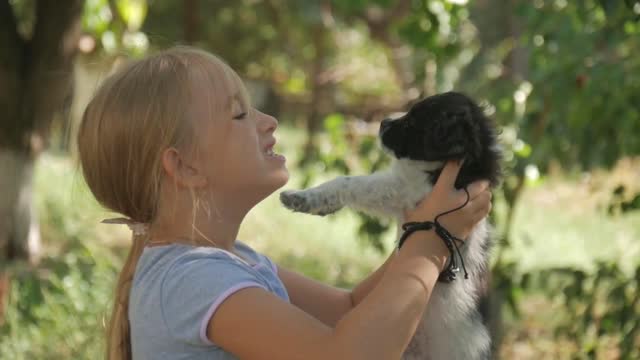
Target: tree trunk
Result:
[19, 232]
[317, 93]
[190, 21]
[379, 24]
[321, 98]
[36, 75]
[496, 21]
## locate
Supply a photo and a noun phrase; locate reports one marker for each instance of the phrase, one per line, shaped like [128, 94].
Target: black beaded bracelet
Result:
[450, 272]
[451, 269]
[411, 227]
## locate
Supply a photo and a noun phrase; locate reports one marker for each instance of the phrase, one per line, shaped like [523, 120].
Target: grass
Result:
[561, 223]
[58, 309]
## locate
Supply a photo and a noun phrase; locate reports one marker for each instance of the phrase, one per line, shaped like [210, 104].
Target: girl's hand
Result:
[445, 197]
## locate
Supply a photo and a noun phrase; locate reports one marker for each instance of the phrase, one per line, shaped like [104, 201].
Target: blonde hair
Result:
[139, 111]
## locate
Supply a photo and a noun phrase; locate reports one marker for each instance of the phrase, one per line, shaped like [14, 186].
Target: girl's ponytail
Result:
[118, 330]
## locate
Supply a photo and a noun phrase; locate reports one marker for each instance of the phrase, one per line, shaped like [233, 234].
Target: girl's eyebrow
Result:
[241, 107]
[236, 96]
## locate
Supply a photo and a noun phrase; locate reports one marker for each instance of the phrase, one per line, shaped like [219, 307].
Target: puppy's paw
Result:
[295, 200]
[309, 202]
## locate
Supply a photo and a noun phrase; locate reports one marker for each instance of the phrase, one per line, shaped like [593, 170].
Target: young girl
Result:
[172, 143]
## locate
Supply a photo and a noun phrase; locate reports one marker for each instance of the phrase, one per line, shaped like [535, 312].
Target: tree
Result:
[36, 67]
[561, 80]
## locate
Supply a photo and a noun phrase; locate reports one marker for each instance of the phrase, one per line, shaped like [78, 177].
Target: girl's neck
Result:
[210, 220]
[221, 234]
[215, 229]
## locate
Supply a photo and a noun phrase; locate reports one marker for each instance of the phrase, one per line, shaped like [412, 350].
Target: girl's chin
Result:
[282, 178]
[276, 180]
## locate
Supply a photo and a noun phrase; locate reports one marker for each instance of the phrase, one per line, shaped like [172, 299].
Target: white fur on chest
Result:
[451, 327]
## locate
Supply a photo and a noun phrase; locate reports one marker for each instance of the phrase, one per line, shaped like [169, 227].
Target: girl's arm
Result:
[254, 324]
[324, 302]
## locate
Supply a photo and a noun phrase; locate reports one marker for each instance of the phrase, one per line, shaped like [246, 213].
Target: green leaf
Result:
[333, 122]
[133, 12]
[295, 85]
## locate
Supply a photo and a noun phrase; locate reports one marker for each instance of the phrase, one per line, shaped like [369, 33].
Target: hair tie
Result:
[137, 228]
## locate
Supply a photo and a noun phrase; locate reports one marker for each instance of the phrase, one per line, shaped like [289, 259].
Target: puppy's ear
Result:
[470, 135]
[459, 115]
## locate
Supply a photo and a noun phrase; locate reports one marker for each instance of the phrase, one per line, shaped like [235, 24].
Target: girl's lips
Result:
[269, 146]
[268, 150]
[277, 157]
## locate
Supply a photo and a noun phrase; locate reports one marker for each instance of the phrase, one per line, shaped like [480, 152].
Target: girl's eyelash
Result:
[240, 116]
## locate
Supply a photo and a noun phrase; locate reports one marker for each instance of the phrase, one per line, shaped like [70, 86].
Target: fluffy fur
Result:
[443, 127]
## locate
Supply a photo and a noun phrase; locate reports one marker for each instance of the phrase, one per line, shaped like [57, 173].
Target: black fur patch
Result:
[448, 126]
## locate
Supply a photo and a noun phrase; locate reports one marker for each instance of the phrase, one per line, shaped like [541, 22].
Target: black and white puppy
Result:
[448, 126]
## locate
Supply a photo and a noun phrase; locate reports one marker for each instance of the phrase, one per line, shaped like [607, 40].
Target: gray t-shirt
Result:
[177, 288]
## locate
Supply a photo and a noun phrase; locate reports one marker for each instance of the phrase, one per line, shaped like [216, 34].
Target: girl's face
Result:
[236, 150]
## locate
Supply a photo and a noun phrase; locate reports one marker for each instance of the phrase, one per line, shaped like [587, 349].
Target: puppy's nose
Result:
[385, 124]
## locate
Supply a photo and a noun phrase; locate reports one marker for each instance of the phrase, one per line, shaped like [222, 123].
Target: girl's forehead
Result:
[214, 95]
[227, 89]
[237, 99]
[215, 107]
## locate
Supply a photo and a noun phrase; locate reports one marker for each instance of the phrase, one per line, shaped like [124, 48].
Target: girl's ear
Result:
[180, 171]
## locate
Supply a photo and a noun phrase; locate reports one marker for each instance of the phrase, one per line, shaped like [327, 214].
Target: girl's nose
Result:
[267, 123]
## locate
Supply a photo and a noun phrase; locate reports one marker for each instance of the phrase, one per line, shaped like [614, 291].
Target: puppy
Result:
[448, 126]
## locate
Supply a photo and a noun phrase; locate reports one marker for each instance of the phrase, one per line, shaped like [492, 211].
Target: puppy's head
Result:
[444, 127]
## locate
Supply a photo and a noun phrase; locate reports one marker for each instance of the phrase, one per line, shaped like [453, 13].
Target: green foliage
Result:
[266, 40]
[621, 202]
[574, 96]
[334, 125]
[60, 309]
[372, 229]
[561, 79]
[115, 26]
[595, 308]
[434, 26]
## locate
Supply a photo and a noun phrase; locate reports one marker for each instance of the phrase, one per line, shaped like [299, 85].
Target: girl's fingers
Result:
[448, 176]
[483, 209]
[477, 188]
[486, 209]
[479, 203]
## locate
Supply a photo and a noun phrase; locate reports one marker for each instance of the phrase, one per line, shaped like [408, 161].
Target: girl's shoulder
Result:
[184, 253]
[256, 259]
[187, 261]
[169, 256]
[183, 286]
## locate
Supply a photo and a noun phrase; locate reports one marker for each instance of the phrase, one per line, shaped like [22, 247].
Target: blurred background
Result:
[560, 77]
